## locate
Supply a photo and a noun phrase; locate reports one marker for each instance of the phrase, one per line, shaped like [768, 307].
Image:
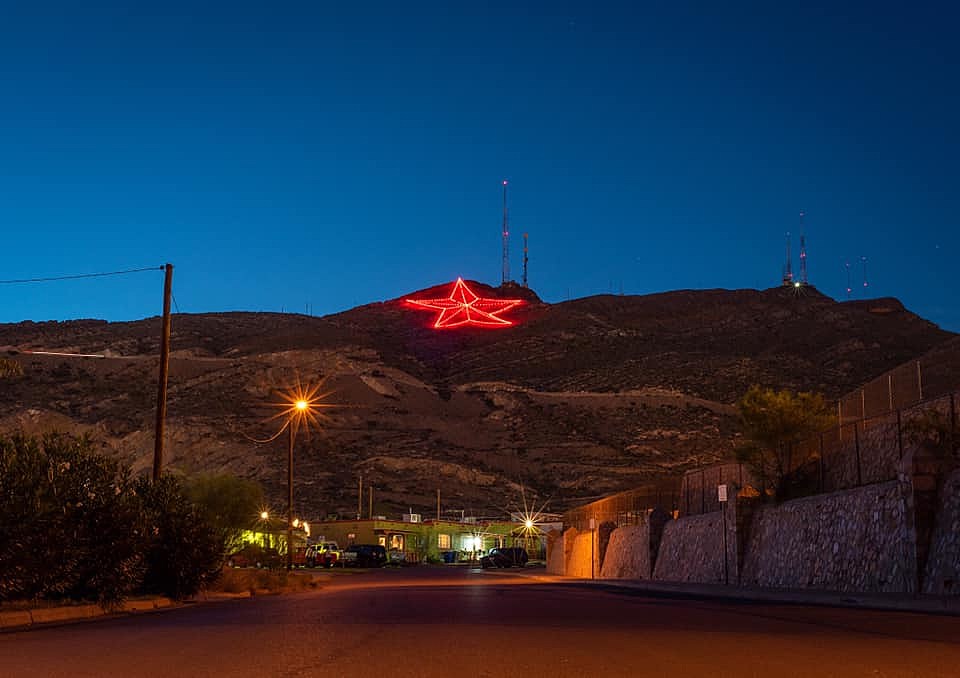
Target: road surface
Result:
[454, 622]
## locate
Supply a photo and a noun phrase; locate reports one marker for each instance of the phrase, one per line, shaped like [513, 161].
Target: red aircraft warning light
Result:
[463, 307]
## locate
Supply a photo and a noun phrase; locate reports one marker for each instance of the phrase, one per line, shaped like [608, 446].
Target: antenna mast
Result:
[788, 269]
[506, 239]
[803, 253]
[525, 259]
[849, 287]
[863, 260]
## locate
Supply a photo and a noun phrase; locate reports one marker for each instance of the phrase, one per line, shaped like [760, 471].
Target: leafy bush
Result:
[184, 553]
[76, 525]
[71, 523]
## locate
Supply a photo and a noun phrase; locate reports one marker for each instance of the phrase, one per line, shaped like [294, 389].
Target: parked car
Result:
[364, 555]
[252, 555]
[324, 554]
[505, 557]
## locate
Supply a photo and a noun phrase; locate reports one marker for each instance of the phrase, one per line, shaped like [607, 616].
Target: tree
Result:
[773, 423]
[229, 504]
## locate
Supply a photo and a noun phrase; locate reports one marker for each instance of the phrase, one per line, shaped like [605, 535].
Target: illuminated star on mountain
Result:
[463, 307]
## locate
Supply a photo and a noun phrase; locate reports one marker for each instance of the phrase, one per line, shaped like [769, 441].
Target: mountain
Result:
[575, 400]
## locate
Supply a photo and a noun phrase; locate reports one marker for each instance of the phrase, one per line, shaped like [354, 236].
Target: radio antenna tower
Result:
[863, 260]
[506, 239]
[849, 287]
[803, 253]
[788, 269]
[525, 259]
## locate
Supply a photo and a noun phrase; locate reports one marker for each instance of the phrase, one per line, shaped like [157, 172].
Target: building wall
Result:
[628, 553]
[855, 540]
[691, 550]
[943, 564]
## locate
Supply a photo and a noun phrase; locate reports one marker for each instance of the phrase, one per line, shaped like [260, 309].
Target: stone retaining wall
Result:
[943, 566]
[856, 540]
[628, 553]
[692, 550]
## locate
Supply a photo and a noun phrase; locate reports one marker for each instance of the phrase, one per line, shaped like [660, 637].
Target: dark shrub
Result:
[71, 523]
[185, 552]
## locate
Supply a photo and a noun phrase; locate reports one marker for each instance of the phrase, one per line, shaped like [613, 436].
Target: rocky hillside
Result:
[576, 400]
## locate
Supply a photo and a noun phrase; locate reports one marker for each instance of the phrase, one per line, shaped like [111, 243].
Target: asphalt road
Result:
[460, 623]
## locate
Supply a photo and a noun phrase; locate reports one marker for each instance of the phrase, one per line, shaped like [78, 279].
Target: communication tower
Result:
[863, 260]
[788, 268]
[525, 259]
[505, 277]
[849, 284]
[803, 253]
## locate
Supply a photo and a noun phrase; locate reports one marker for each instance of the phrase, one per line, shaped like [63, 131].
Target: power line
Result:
[79, 276]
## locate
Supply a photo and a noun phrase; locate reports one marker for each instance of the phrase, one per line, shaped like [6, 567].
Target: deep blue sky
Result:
[280, 154]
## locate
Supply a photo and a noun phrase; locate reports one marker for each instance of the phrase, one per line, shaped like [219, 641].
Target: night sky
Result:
[327, 154]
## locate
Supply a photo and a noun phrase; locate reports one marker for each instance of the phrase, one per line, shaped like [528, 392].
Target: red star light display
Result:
[463, 307]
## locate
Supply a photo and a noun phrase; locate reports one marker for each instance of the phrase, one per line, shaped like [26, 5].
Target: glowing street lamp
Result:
[300, 407]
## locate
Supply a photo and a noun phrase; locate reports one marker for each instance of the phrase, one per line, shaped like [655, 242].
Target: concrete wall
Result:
[943, 564]
[628, 553]
[555, 553]
[580, 549]
[855, 540]
[692, 550]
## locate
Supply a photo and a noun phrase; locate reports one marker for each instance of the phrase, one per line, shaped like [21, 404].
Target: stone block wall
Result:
[628, 553]
[856, 540]
[943, 565]
[691, 550]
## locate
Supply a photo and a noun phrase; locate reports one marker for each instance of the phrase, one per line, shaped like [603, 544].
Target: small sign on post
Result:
[722, 493]
[593, 523]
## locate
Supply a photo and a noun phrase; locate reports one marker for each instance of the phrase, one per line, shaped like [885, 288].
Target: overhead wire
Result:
[79, 276]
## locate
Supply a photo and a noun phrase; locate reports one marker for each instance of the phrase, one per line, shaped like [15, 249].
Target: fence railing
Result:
[698, 489]
[854, 454]
[626, 508]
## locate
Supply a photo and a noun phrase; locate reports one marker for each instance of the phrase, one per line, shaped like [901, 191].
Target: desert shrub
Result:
[184, 551]
[933, 431]
[71, 524]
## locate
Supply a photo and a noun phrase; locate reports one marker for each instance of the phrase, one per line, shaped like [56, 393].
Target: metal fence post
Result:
[953, 424]
[900, 435]
[821, 462]
[856, 440]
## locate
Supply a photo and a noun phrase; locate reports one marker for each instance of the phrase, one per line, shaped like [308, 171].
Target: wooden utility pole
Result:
[164, 369]
[438, 504]
[370, 515]
[360, 497]
[291, 425]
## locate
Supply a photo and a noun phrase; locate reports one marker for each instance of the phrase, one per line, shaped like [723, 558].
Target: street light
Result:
[300, 407]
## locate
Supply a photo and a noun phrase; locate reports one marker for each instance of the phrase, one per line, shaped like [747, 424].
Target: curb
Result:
[940, 605]
[19, 620]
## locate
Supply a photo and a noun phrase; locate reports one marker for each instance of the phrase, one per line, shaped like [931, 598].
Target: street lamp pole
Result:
[292, 426]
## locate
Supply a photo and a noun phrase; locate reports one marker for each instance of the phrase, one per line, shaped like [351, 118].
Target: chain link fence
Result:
[626, 508]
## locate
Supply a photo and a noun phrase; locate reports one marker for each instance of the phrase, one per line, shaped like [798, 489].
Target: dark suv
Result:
[505, 557]
[364, 555]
